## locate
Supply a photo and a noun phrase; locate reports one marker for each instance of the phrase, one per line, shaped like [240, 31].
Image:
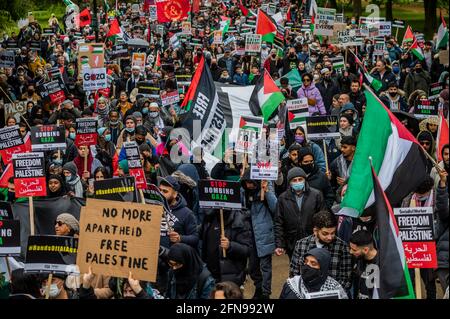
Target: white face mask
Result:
[53, 292]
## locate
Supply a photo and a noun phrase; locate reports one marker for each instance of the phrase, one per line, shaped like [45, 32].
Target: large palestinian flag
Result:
[394, 280]
[266, 27]
[396, 154]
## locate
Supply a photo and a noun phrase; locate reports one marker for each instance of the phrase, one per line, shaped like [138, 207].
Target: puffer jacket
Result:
[312, 92]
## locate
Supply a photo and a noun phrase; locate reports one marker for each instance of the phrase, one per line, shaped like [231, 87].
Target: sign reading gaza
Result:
[116, 238]
[219, 194]
[9, 237]
[86, 132]
[47, 138]
[29, 174]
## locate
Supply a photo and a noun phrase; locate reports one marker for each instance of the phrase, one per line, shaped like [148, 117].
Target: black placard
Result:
[9, 237]
[47, 137]
[6, 210]
[119, 189]
[219, 194]
[320, 127]
[425, 108]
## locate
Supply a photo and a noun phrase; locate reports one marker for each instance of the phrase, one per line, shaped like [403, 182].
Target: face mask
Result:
[57, 161]
[71, 72]
[422, 198]
[298, 186]
[153, 114]
[91, 101]
[54, 291]
[308, 168]
[282, 148]
[419, 70]
[396, 69]
[107, 137]
[72, 136]
[299, 138]
[145, 111]
[264, 46]
[68, 178]
[313, 60]
[292, 54]
[310, 275]
[30, 92]
[114, 122]
[393, 94]
[274, 55]
[129, 129]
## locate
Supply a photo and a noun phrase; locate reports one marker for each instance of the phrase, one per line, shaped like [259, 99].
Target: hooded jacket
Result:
[356, 119]
[312, 92]
[397, 103]
[184, 223]
[426, 135]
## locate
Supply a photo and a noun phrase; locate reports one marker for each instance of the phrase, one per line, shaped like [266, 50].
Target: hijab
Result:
[61, 191]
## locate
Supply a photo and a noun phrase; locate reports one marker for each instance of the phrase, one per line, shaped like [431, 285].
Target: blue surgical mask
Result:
[298, 186]
[396, 69]
[91, 101]
[107, 137]
[145, 111]
[68, 178]
[72, 136]
[130, 129]
[57, 161]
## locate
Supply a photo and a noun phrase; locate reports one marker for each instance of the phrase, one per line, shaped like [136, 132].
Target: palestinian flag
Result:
[266, 27]
[8, 172]
[245, 12]
[312, 14]
[409, 35]
[249, 123]
[442, 136]
[224, 24]
[157, 61]
[416, 50]
[297, 117]
[266, 96]
[295, 80]
[442, 36]
[395, 281]
[374, 83]
[115, 31]
[288, 15]
[397, 157]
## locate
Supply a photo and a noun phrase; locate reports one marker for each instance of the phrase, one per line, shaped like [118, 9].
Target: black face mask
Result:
[393, 94]
[311, 276]
[11, 196]
[291, 55]
[308, 168]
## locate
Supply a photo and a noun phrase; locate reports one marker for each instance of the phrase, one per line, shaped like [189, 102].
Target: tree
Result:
[389, 15]
[333, 4]
[430, 23]
[357, 8]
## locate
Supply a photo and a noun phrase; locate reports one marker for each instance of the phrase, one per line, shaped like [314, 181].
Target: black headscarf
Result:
[61, 192]
[186, 277]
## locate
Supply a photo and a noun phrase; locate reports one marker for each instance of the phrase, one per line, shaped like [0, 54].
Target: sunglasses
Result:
[59, 223]
[306, 80]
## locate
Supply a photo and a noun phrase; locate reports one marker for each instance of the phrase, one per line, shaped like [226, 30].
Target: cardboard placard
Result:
[86, 132]
[29, 174]
[320, 127]
[11, 142]
[122, 189]
[385, 28]
[253, 43]
[15, 109]
[6, 210]
[7, 59]
[94, 79]
[51, 254]
[324, 21]
[138, 59]
[9, 237]
[415, 225]
[249, 131]
[349, 38]
[47, 138]
[91, 55]
[443, 57]
[264, 164]
[425, 108]
[134, 164]
[298, 110]
[116, 238]
[169, 98]
[219, 194]
[218, 37]
[186, 28]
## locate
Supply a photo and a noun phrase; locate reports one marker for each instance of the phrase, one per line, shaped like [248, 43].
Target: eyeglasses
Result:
[306, 80]
[59, 223]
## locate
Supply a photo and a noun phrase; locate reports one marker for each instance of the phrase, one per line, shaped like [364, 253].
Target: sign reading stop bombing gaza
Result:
[219, 194]
[94, 79]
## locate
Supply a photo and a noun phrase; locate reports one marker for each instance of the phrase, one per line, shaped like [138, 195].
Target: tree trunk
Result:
[389, 16]
[333, 4]
[430, 23]
[357, 7]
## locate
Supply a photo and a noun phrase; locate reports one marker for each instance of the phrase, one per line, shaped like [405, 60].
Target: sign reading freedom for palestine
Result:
[116, 238]
[11, 142]
[29, 174]
[219, 194]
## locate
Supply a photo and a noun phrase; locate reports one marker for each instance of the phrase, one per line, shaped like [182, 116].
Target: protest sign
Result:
[51, 254]
[134, 164]
[29, 174]
[12, 44]
[15, 109]
[337, 27]
[379, 48]
[324, 21]
[183, 78]
[415, 225]
[47, 138]
[425, 108]
[297, 112]
[138, 59]
[86, 131]
[330, 294]
[249, 131]
[398, 24]
[54, 73]
[91, 55]
[385, 28]
[264, 165]
[9, 237]
[349, 38]
[338, 63]
[444, 57]
[47, 31]
[7, 59]
[253, 43]
[435, 90]
[53, 92]
[322, 127]
[121, 189]
[6, 210]
[94, 79]
[420, 40]
[119, 51]
[218, 37]
[169, 98]
[11, 142]
[186, 28]
[340, 18]
[118, 238]
[35, 45]
[153, 13]
[219, 194]
[149, 89]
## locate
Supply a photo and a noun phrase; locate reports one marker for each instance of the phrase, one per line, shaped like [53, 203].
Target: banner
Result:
[91, 55]
[51, 254]
[94, 79]
[29, 174]
[415, 225]
[11, 142]
[7, 59]
[249, 131]
[297, 112]
[116, 238]
[86, 131]
[48, 138]
[134, 164]
[425, 108]
[264, 164]
[138, 59]
[121, 189]
[9, 237]
[219, 194]
[6, 210]
[320, 127]
[253, 43]
[324, 21]
[172, 10]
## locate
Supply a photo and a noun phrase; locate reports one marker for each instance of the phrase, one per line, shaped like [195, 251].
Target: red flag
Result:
[244, 10]
[442, 136]
[288, 15]
[195, 6]
[172, 10]
[114, 28]
[85, 18]
[8, 172]
[146, 7]
[409, 35]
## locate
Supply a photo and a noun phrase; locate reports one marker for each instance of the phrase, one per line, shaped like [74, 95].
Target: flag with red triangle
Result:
[409, 35]
[251, 123]
[265, 26]
[243, 9]
[442, 136]
[8, 172]
[288, 15]
[114, 29]
[416, 50]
